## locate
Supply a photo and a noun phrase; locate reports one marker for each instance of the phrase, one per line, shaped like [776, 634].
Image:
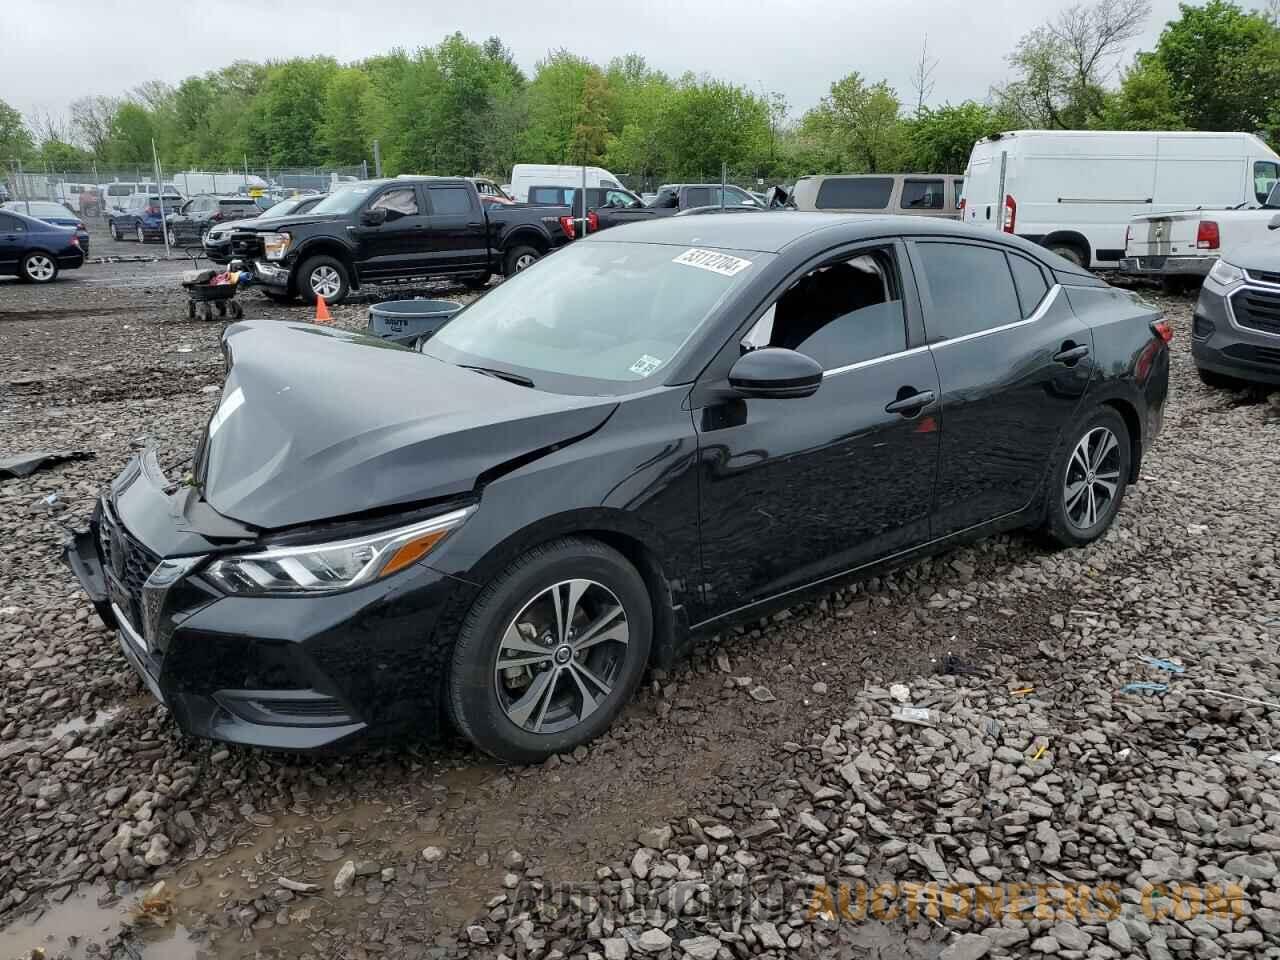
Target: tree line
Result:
[464, 107]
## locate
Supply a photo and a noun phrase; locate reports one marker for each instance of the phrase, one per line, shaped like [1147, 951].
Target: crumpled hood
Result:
[317, 423]
[272, 224]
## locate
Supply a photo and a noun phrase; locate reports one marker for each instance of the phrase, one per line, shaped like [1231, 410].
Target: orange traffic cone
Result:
[322, 311]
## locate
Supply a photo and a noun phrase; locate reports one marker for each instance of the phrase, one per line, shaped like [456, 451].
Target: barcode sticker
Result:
[721, 263]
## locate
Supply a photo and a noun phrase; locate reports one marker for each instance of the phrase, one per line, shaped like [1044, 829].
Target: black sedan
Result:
[1235, 330]
[217, 240]
[36, 251]
[657, 431]
[200, 214]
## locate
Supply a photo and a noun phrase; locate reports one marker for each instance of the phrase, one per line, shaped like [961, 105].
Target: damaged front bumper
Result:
[271, 275]
[288, 673]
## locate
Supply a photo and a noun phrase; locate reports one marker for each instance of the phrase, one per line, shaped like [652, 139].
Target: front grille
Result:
[246, 246]
[126, 561]
[1263, 276]
[1257, 309]
[1247, 351]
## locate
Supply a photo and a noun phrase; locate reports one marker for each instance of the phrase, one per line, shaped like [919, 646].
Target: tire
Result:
[39, 267]
[140, 235]
[321, 274]
[171, 237]
[115, 232]
[1067, 518]
[1071, 252]
[519, 258]
[478, 283]
[486, 704]
[1219, 381]
[191, 309]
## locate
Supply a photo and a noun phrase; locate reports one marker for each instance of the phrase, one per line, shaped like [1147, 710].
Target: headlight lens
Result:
[331, 567]
[276, 245]
[1225, 273]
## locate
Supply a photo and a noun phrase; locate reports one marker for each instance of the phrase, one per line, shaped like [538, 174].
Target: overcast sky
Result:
[60, 51]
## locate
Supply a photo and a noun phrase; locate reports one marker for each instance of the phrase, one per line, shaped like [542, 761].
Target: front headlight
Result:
[331, 567]
[1225, 273]
[276, 245]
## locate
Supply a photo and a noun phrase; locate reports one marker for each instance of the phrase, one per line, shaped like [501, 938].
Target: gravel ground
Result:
[769, 766]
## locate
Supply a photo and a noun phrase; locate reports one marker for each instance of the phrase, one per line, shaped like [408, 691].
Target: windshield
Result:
[282, 209]
[345, 200]
[602, 311]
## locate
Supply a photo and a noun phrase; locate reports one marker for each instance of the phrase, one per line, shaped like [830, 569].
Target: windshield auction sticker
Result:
[713, 260]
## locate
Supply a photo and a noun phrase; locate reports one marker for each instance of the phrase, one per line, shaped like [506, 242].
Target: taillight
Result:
[217, 217]
[566, 224]
[593, 222]
[1162, 329]
[1207, 236]
[153, 211]
[962, 205]
[81, 226]
[1011, 207]
[75, 241]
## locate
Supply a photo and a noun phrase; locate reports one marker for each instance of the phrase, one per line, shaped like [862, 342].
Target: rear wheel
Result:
[39, 268]
[1089, 478]
[551, 651]
[1071, 252]
[171, 237]
[140, 234]
[115, 232]
[324, 277]
[518, 259]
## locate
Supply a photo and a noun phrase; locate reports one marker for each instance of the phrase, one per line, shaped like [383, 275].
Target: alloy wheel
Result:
[325, 282]
[171, 237]
[1093, 476]
[525, 262]
[40, 268]
[142, 237]
[560, 656]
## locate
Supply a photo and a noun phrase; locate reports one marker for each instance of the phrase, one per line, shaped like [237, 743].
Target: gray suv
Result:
[1235, 331]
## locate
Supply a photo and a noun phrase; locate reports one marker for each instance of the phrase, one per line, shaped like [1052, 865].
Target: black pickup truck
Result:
[406, 228]
[675, 198]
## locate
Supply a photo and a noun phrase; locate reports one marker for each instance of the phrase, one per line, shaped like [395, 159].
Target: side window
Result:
[698, 197]
[970, 287]
[608, 183]
[958, 186]
[843, 312]
[923, 195]
[733, 197]
[1265, 175]
[400, 202]
[450, 200]
[854, 193]
[1030, 282]
[617, 198]
[11, 225]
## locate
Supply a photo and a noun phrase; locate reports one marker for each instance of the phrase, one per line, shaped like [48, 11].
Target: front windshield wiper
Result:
[500, 374]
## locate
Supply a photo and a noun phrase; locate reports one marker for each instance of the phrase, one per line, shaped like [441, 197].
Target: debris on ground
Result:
[25, 464]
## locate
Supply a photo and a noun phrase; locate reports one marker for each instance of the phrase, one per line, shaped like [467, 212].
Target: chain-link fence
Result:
[97, 190]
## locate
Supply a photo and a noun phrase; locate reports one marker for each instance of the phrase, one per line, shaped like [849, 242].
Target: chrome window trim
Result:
[836, 371]
[1231, 310]
[1038, 314]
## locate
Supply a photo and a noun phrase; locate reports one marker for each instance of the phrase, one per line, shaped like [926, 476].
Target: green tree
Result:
[132, 131]
[708, 122]
[555, 102]
[1223, 66]
[285, 117]
[16, 142]
[859, 125]
[1144, 100]
[941, 138]
[344, 131]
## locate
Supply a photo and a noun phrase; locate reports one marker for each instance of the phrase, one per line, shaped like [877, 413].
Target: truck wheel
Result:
[324, 277]
[1069, 251]
[478, 283]
[115, 232]
[519, 258]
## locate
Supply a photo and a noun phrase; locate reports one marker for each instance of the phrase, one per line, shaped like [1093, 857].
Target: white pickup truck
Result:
[1181, 247]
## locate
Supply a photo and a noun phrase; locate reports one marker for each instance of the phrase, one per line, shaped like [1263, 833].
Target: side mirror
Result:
[776, 373]
[374, 218]
[1275, 223]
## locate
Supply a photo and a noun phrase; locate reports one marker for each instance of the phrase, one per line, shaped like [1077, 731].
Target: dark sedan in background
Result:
[653, 432]
[54, 213]
[191, 221]
[1235, 329]
[217, 240]
[36, 251]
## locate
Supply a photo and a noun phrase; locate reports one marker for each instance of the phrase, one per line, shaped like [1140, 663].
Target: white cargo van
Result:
[526, 175]
[1074, 191]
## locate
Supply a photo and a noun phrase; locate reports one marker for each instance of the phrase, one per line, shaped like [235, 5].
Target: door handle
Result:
[909, 406]
[1071, 355]
[475, 226]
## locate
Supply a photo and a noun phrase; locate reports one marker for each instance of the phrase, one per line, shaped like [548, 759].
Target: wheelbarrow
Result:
[210, 299]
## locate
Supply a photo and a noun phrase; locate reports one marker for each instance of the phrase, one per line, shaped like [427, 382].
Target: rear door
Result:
[459, 231]
[1013, 364]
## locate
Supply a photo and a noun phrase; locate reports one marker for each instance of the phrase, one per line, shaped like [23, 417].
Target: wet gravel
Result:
[768, 767]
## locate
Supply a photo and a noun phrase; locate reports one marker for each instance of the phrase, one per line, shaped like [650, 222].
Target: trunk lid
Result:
[1163, 234]
[317, 424]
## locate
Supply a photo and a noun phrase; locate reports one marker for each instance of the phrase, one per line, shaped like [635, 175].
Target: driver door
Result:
[399, 244]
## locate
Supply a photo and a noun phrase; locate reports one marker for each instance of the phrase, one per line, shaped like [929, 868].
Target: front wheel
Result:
[1089, 478]
[141, 234]
[519, 259]
[551, 651]
[39, 268]
[171, 237]
[324, 277]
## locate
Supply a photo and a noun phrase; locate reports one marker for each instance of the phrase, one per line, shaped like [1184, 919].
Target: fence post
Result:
[377, 159]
